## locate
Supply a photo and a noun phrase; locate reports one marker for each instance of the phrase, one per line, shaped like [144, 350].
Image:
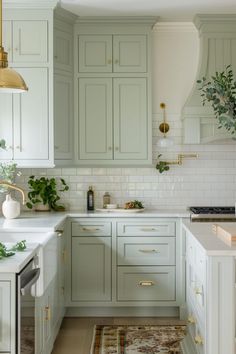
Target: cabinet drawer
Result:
[91, 228]
[144, 228]
[146, 251]
[146, 284]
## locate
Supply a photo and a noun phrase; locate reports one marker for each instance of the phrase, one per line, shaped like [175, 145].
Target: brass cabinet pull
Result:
[149, 229]
[191, 319]
[47, 313]
[110, 148]
[109, 61]
[116, 148]
[198, 340]
[64, 256]
[90, 229]
[146, 283]
[148, 251]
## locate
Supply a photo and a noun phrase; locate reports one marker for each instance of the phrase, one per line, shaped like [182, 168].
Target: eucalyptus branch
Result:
[220, 92]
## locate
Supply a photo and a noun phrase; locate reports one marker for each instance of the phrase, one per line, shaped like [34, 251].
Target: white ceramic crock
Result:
[10, 207]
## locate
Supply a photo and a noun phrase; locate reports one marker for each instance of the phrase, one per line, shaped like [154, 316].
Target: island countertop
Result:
[212, 244]
[50, 221]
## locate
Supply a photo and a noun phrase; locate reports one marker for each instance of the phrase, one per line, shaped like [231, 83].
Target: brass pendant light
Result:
[10, 80]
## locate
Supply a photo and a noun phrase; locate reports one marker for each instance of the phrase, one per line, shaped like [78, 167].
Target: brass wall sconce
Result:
[162, 166]
[164, 127]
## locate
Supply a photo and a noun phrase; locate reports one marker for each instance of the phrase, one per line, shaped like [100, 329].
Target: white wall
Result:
[209, 180]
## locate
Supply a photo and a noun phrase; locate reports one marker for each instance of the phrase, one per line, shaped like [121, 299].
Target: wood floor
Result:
[75, 335]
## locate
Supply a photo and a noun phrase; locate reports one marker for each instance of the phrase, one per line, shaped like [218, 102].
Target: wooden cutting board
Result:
[227, 232]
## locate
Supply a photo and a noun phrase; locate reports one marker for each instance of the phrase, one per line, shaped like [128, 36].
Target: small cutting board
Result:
[225, 232]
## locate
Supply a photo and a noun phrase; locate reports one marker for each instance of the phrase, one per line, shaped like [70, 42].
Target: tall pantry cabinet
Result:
[27, 119]
[113, 86]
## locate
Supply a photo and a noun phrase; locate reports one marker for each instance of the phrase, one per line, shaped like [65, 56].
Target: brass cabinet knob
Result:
[116, 61]
[109, 61]
[191, 319]
[110, 148]
[117, 149]
[198, 340]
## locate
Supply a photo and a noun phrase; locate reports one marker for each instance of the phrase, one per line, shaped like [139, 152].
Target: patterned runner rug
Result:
[137, 339]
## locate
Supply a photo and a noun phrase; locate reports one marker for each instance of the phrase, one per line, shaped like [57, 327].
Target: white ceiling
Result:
[167, 9]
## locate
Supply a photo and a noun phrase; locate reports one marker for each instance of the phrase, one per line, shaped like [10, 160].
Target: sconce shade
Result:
[165, 142]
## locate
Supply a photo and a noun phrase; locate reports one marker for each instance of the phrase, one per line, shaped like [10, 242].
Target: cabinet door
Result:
[7, 38]
[95, 118]
[130, 119]
[31, 117]
[63, 117]
[6, 124]
[30, 41]
[129, 53]
[63, 50]
[5, 316]
[95, 53]
[91, 269]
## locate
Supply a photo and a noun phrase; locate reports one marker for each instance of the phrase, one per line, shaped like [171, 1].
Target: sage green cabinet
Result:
[130, 119]
[24, 120]
[91, 269]
[113, 119]
[63, 49]
[63, 117]
[112, 53]
[5, 316]
[95, 124]
[95, 53]
[26, 41]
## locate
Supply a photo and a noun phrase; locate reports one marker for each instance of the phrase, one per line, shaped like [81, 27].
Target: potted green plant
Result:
[43, 194]
[220, 91]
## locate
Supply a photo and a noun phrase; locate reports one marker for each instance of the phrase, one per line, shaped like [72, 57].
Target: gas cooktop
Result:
[213, 213]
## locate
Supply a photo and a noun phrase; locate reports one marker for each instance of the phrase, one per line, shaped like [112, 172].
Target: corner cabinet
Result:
[113, 112]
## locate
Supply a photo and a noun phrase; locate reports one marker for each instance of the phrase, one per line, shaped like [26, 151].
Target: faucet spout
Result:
[12, 186]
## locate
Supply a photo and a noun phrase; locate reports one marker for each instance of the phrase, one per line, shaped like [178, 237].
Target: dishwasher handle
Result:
[28, 279]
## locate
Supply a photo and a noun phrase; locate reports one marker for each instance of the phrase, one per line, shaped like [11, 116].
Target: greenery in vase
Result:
[220, 91]
[162, 166]
[45, 191]
[8, 174]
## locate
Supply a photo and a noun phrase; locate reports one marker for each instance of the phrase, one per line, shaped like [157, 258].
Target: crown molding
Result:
[146, 20]
[174, 27]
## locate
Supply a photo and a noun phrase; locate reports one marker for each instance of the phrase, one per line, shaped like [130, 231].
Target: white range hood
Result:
[217, 50]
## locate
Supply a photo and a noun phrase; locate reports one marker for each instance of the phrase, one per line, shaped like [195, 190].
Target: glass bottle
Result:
[90, 199]
[106, 199]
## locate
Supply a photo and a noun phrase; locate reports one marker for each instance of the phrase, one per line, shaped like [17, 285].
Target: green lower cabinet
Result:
[5, 316]
[91, 269]
[156, 283]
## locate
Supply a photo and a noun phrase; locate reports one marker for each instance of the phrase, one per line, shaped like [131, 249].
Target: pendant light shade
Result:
[10, 80]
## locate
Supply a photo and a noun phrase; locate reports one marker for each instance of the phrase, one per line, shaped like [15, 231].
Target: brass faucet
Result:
[12, 186]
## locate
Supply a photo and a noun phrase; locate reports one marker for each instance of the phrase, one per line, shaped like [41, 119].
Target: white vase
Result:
[10, 207]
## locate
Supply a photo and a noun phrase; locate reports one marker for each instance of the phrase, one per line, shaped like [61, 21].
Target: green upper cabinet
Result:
[95, 124]
[95, 54]
[117, 53]
[113, 96]
[26, 41]
[130, 123]
[129, 53]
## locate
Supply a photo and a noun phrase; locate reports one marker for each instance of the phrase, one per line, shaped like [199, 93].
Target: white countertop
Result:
[18, 261]
[209, 241]
[50, 221]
